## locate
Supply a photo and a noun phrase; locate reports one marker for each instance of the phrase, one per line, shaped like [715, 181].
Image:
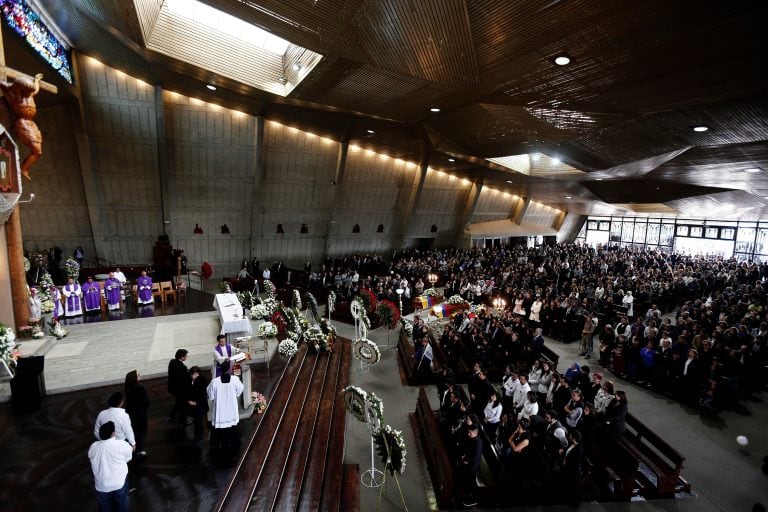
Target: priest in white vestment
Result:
[72, 293]
[223, 392]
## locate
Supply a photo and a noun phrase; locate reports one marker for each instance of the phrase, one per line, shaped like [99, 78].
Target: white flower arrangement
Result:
[38, 335]
[271, 305]
[7, 343]
[355, 399]
[456, 299]
[58, 331]
[287, 348]
[314, 336]
[431, 292]
[294, 337]
[267, 330]
[366, 351]
[297, 300]
[269, 288]
[259, 311]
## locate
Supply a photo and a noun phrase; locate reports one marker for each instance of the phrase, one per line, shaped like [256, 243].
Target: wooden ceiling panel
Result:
[430, 39]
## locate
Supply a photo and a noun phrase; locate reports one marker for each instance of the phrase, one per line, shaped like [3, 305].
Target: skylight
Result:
[228, 24]
[227, 46]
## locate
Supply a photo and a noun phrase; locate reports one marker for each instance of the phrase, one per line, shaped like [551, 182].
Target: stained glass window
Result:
[25, 22]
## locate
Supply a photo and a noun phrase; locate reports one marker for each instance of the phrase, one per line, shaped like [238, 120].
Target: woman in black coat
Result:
[137, 406]
[198, 401]
[616, 413]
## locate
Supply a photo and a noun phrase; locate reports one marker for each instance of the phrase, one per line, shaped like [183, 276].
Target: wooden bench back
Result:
[439, 464]
[640, 433]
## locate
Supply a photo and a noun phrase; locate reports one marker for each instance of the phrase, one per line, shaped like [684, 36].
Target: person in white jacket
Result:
[492, 416]
[531, 407]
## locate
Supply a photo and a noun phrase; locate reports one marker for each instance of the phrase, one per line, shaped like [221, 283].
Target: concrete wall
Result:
[133, 162]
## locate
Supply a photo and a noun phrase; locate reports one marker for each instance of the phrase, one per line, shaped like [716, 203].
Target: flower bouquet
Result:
[259, 402]
[456, 299]
[259, 311]
[369, 299]
[269, 289]
[73, 268]
[287, 348]
[25, 331]
[267, 330]
[56, 329]
[431, 292]
[246, 299]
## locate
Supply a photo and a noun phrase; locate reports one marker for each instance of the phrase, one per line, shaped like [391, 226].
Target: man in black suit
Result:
[472, 453]
[179, 383]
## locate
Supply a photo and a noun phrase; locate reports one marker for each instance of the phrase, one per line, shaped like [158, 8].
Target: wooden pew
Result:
[550, 356]
[614, 466]
[663, 461]
[439, 465]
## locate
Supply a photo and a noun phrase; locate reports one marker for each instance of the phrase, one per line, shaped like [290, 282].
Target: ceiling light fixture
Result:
[555, 161]
[451, 160]
[599, 179]
[753, 170]
[282, 79]
[509, 181]
[434, 109]
[700, 128]
[370, 131]
[569, 197]
[562, 60]
[535, 157]
[211, 87]
[296, 66]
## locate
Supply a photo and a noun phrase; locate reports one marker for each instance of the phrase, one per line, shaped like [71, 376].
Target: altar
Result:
[231, 314]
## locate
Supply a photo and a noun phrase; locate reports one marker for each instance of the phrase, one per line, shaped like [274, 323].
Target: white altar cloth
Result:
[231, 314]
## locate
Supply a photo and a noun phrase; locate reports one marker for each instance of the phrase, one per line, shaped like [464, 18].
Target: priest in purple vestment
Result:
[223, 351]
[144, 289]
[72, 293]
[92, 294]
[112, 290]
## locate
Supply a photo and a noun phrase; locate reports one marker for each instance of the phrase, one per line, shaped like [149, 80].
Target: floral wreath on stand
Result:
[312, 305]
[297, 300]
[287, 348]
[374, 410]
[73, 268]
[355, 399]
[388, 313]
[368, 299]
[269, 288]
[390, 446]
[366, 351]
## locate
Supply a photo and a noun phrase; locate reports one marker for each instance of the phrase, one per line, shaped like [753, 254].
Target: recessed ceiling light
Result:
[434, 109]
[562, 60]
[282, 79]
[509, 181]
[753, 170]
[700, 128]
[370, 131]
[599, 179]
[555, 161]
[535, 157]
[451, 160]
[211, 87]
[296, 66]
[569, 197]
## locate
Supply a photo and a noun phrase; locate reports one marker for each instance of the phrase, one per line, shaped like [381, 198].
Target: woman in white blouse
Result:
[544, 380]
[492, 416]
[531, 407]
[629, 301]
[534, 375]
[603, 397]
[535, 310]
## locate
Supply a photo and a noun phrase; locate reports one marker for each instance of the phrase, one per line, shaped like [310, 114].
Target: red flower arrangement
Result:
[279, 321]
[206, 270]
[369, 299]
[388, 313]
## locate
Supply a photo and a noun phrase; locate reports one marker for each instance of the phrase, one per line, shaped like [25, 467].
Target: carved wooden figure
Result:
[20, 96]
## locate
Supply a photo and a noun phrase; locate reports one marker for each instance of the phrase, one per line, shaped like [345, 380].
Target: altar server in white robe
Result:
[224, 391]
[58, 308]
[72, 294]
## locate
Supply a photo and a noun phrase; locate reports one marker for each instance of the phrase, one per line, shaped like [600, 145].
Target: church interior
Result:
[318, 158]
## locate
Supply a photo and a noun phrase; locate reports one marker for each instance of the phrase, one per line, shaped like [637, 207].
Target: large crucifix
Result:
[19, 96]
